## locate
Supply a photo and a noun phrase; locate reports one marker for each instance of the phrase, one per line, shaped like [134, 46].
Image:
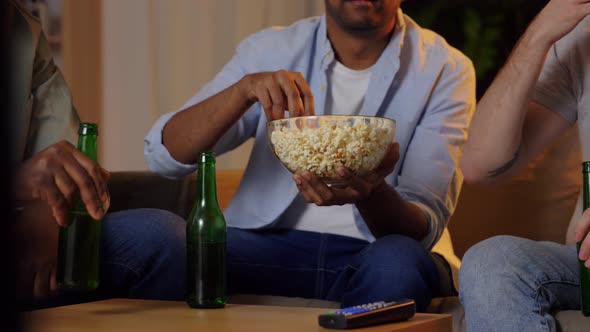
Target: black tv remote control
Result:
[368, 314]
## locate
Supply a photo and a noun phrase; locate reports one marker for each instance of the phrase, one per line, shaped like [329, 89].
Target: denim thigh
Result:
[327, 266]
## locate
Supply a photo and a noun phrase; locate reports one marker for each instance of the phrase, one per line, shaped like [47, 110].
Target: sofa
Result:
[535, 204]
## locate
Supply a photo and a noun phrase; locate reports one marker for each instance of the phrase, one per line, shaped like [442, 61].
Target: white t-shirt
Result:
[346, 92]
[561, 88]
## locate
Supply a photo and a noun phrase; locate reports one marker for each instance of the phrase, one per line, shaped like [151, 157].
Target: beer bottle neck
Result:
[87, 144]
[88, 140]
[206, 184]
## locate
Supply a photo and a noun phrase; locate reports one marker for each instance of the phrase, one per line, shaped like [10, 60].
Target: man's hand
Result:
[35, 238]
[279, 91]
[558, 18]
[56, 174]
[581, 235]
[359, 188]
[36, 278]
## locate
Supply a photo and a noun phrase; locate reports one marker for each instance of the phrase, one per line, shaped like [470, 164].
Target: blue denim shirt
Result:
[419, 80]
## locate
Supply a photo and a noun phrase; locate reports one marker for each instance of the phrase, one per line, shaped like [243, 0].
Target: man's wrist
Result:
[534, 39]
[243, 89]
[378, 190]
[381, 187]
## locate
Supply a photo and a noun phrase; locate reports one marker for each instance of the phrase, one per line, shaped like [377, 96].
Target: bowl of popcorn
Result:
[321, 144]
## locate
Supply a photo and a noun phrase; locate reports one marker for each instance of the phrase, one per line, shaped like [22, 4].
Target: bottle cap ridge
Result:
[208, 156]
[87, 128]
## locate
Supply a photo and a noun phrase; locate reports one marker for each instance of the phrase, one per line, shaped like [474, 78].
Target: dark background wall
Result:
[485, 30]
[7, 313]
[538, 202]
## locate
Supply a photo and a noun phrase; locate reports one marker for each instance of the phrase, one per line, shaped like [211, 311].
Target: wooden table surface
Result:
[142, 315]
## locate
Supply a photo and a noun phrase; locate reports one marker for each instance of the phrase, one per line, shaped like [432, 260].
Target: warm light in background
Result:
[128, 62]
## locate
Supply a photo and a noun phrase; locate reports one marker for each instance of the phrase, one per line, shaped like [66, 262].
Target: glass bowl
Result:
[320, 144]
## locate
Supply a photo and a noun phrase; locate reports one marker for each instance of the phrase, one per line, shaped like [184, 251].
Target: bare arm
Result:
[508, 130]
[199, 127]
[385, 205]
[383, 209]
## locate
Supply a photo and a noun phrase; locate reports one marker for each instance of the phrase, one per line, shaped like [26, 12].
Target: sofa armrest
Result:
[143, 189]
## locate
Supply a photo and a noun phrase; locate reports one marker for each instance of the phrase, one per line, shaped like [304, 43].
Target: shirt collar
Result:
[390, 55]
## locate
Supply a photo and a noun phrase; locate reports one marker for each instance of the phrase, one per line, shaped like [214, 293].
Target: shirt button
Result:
[323, 88]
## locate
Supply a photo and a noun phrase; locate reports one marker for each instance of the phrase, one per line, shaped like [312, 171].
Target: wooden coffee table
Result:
[141, 315]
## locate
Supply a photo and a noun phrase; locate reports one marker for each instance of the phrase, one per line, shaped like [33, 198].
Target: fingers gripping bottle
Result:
[78, 257]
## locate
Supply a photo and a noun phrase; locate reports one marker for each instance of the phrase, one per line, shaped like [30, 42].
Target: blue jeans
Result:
[144, 256]
[513, 284]
[330, 267]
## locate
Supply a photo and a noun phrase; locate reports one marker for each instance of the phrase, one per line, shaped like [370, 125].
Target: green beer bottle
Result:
[206, 242]
[79, 242]
[584, 271]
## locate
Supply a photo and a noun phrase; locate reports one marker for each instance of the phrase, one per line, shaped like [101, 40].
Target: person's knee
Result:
[484, 264]
[154, 232]
[395, 249]
[392, 254]
[397, 266]
[143, 253]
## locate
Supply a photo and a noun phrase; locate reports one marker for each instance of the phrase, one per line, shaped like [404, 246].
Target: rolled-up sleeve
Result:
[555, 88]
[430, 176]
[158, 157]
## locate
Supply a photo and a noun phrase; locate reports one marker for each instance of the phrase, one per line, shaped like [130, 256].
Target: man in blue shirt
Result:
[291, 234]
